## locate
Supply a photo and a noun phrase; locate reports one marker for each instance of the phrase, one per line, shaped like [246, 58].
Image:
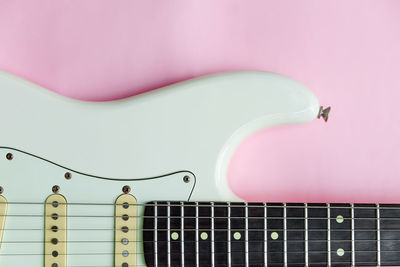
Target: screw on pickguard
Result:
[55, 189]
[126, 189]
[68, 175]
[9, 156]
[186, 178]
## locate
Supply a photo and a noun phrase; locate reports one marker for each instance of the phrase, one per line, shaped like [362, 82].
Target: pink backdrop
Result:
[347, 52]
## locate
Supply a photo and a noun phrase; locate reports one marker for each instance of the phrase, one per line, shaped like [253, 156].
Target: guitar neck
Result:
[273, 234]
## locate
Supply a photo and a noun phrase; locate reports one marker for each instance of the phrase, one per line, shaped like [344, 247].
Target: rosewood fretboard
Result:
[271, 234]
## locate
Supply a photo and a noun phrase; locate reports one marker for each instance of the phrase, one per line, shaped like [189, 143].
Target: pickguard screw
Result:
[55, 189]
[1, 190]
[186, 179]
[68, 175]
[9, 156]
[126, 189]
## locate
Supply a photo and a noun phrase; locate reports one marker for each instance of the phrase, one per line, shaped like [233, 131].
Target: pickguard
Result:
[34, 172]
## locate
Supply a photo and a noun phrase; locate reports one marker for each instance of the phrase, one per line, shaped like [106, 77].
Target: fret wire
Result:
[182, 235]
[229, 234]
[197, 235]
[353, 244]
[212, 236]
[284, 235]
[155, 235]
[265, 236]
[306, 233]
[378, 235]
[329, 234]
[246, 215]
[169, 234]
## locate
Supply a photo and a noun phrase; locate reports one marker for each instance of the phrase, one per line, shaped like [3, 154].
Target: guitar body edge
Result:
[190, 126]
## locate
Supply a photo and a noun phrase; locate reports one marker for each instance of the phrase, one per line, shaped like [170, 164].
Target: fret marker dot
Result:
[174, 236]
[339, 219]
[237, 235]
[204, 235]
[340, 252]
[274, 235]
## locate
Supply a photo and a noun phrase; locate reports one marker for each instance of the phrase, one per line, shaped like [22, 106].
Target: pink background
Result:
[347, 52]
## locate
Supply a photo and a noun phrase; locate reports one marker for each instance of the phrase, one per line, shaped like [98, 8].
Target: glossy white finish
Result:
[190, 128]
[194, 125]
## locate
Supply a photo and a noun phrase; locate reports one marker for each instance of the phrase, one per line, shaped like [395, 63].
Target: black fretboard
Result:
[271, 234]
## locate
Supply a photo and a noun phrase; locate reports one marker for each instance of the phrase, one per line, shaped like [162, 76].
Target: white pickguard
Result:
[190, 128]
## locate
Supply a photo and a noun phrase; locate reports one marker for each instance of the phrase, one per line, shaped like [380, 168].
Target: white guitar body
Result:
[149, 142]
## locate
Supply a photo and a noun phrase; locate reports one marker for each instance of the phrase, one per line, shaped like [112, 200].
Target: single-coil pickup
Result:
[125, 231]
[55, 237]
[3, 214]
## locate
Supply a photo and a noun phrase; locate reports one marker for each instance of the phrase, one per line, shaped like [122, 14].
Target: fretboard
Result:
[271, 234]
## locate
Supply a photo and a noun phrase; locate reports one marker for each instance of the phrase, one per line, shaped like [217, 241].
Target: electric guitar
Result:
[142, 182]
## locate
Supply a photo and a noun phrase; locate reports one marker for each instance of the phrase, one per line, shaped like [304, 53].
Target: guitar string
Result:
[262, 264]
[194, 253]
[192, 241]
[341, 261]
[202, 217]
[205, 229]
[222, 217]
[258, 264]
[208, 229]
[188, 253]
[218, 205]
[145, 265]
